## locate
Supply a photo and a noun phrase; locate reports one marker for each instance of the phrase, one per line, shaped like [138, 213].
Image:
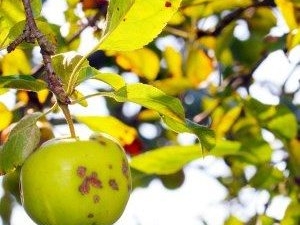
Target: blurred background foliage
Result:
[206, 56]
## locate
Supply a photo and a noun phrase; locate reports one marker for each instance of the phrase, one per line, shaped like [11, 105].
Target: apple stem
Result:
[67, 114]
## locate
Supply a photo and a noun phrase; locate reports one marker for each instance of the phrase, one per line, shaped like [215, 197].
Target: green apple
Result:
[76, 182]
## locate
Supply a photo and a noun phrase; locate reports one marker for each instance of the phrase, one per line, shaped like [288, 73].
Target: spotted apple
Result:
[76, 182]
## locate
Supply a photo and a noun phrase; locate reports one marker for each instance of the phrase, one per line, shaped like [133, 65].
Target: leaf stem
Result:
[67, 114]
[106, 94]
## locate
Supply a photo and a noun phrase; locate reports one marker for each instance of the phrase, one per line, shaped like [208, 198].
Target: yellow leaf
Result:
[286, 8]
[110, 125]
[199, 66]
[126, 19]
[227, 121]
[144, 62]
[42, 95]
[15, 63]
[5, 115]
[173, 86]
[22, 96]
[174, 62]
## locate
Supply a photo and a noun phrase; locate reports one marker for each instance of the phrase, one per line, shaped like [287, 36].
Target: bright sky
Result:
[201, 196]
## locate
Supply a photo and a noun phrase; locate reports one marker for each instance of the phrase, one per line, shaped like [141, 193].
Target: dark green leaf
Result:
[23, 139]
[205, 135]
[24, 82]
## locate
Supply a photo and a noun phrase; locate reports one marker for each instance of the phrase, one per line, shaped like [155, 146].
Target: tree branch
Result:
[31, 34]
[234, 15]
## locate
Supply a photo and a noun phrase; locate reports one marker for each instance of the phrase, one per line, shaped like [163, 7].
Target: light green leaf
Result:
[205, 135]
[166, 160]
[225, 148]
[64, 64]
[151, 98]
[278, 124]
[126, 20]
[23, 82]
[112, 79]
[23, 139]
[12, 12]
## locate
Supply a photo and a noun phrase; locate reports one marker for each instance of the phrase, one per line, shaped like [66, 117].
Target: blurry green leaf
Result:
[278, 124]
[166, 160]
[18, 146]
[261, 21]
[248, 51]
[174, 180]
[225, 147]
[110, 125]
[294, 157]
[204, 8]
[265, 220]
[140, 179]
[266, 177]
[24, 82]
[143, 62]
[125, 21]
[232, 220]
[256, 151]
[292, 214]
[274, 118]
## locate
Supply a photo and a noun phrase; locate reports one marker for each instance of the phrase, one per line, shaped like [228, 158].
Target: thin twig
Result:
[234, 15]
[31, 34]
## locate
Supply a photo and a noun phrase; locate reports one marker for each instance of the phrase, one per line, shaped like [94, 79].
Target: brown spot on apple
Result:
[168, 4]
[96, 199]
[90, 215]
[94, 181]
[84, 187]
[81, 171]
[113, 184]
[125, 169]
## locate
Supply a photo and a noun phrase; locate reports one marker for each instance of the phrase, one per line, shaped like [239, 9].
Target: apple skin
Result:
[73, 182]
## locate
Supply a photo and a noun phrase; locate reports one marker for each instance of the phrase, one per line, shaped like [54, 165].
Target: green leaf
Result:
[23, 82]
[23, 139]
[127, 19]
[166, 160]
[64, 64]
[225, 148]
[112, 79]
[292, 215]
[278, 124]
[12, 12]
[205, 135]
[266, 177]
[274, 118]
[151, 98]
